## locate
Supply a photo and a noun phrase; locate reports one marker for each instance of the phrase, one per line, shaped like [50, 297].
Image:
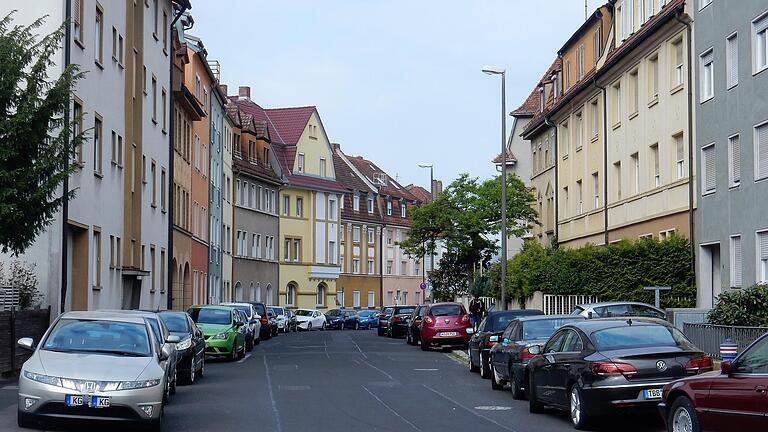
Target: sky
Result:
[396, 81]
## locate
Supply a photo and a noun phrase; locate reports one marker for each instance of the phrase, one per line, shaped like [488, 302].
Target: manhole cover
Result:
[493, 408]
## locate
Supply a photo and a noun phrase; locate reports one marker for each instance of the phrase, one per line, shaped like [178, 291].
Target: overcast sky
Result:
[396, 81]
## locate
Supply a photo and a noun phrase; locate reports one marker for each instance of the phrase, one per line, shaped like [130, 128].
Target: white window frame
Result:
[300, 163]
[371, 299]
[762, 265]
[732, 61]
[679, 162]
[706, 61]
[734, 160]
[356, 299]
[704, 3]
[736, 272]
[756, 142]
[759, 25]
[704, 190]
[356, 202]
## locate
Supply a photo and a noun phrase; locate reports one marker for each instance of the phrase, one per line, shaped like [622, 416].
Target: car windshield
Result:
[447, 310]
[543, 329]
[302, 312]
[175, 321]
[498, 322]
[260, 309]
[365, 314]
[156, 330]
[279, 311]
[211, 316]
[333, 313]
[245, 309]
[388, 311]
[405, 311]
[637, 336]
[99, 336]
[577, 311]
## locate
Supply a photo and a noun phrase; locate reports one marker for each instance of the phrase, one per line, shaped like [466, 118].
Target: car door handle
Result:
[760, 389]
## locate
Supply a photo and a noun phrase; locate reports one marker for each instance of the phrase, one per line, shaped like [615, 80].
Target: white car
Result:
[282, 320]
[309, 319]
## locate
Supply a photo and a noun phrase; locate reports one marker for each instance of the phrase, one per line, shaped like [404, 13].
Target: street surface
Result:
[347, 380]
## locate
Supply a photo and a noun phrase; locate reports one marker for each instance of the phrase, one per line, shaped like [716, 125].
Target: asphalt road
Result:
[350, 381]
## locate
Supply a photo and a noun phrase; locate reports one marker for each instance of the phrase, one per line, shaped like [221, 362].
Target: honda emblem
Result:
[90, 386]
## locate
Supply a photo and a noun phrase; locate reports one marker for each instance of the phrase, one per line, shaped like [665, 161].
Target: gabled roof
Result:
[348, 177]
[419, 192]
[510, 157]
[371, 171]
[530, 106]
[290, 122]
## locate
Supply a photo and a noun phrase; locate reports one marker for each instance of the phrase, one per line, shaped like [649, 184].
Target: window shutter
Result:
[762, 151]
[76, 9]
[732, 60]
[736, 264]
[735, 159]
[763, 240]
[709, 168]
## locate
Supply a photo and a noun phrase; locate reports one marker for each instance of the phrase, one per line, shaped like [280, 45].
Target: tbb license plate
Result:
[91, 401]
[652, 393]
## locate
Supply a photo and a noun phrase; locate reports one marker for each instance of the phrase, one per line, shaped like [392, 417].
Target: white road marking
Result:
[493, 408]
[325, 345]
[468, 409]
[306, 346]
[358, 348]
[242, 360]
[391, 410]
[383, 372]
[426, 370]
[10, 388]
[272, 397]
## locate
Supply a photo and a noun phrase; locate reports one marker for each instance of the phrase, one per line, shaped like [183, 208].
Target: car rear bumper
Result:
[433, 336]
[606, 399]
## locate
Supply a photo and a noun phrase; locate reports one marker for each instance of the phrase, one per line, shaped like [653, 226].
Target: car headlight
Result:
[220, 336]
[45, 379]
[185, 344]
[133, 385]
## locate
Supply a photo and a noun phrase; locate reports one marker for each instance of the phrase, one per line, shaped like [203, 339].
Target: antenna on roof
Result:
[586, 9]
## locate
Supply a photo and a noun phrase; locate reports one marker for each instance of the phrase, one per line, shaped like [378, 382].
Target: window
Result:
[153, 174]
[96, 258]
[579, 198]
[98, 146]
[152, 268]
[595, 114]
[286, 205]
[596, 190]
[653, 76]
[566, 197]
[356, 202]
[762, 244]
[616, 109]
[370, 204]
[371, 234]
[416, 268]
[617, 172]
[332, 210]
[256, 252]
[760, 44]
[370, 266]
[389, 267]
[597, 44]
[114, 44]
[390, 236]
[296, 250]
[635, 173]
[707, 72]
[736, 261]
[154, 99]
[77, 129]
[565, 138]
[655, 158]
[403, 208]
[371, 299]
[290, 295]
[287, 250]
[162, 190]
[708, 181]
[165, 31]
[633, 93]
[732, 60]
[580, 61]
[356, 234]
[77, 20]
[679, 155]
[299, 207]
[342, 228]
[404, 267]
[332, 252]
[322, 167]
[704, 3]
[578, 131]
[98, 40]
[761, 150]
[355, 266]
[301, 163]
[162, 270]
[678, 59]
[321, 295]
[163, 102]
[734, 160]
[389, 208]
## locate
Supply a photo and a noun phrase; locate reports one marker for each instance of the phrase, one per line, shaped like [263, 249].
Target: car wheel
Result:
[157, 424]
[357, 326]
[496, 383]
[24, 420]
[682, 416]
[189, 380]
[517, 391]
[233, 354]
[309, 326]
[324, 327]
[579, 415]
[472, 367]
[201, 371]
[249, 344]
[256, 339]
[408, 339]
[534, 406]
[173, 384]
[485, 370]
[167, 392]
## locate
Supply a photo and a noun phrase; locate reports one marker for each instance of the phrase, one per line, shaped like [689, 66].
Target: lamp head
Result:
[425, 165]
[492, 70]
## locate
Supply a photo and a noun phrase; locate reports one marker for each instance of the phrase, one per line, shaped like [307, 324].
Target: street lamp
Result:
[489, 70]
[432, 197]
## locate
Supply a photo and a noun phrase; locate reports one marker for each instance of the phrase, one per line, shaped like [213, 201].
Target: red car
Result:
[445, 325]
[734, 399]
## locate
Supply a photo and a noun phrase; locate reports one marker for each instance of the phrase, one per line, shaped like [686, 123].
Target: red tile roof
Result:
[353, 183]
[419, 192]
[510, 157]
[289, 123]
[312, 182]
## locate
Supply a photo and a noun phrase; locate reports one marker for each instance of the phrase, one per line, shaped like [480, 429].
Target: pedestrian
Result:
[475, 308]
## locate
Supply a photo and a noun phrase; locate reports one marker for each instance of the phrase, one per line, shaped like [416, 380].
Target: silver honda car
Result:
[95, 365]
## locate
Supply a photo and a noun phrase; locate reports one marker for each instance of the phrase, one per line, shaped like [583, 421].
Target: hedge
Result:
[748, 307]
[619, 271]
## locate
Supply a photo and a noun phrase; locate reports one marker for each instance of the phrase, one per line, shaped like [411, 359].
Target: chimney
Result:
[223, 88]
[336, 146]
[244, 92]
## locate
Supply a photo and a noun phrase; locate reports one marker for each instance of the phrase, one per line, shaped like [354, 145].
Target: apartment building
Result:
[215, 187]
[111, 251]
[227, 193]
[731, 145]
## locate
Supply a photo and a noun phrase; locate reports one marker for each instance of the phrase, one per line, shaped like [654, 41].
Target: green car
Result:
[223, 329]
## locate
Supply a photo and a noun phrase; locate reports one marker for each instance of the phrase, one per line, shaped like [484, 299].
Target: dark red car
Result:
[734, 399]
[445, 325]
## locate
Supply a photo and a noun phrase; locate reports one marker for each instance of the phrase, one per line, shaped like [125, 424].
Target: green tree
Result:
[36, 143]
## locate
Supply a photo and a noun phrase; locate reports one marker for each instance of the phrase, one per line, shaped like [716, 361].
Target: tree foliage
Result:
[21, 276]
[619, 271]
[748, 307]
[466, 219]
[36, 143]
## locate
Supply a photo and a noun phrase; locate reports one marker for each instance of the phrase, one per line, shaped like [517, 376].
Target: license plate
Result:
[91, 401]
[447, 334]
[652, 393]
[74, 400]
[99, 402]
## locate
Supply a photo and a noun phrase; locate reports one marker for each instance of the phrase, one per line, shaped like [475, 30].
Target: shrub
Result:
[21, 275]
[748, 307]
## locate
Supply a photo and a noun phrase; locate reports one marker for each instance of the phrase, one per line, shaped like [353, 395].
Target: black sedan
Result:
[413, 333]
[509, 357]
[595, 367]
[266, 327]
[397, 324]
[190, 351]
[291, 324]
[342, 318]
[487, 335]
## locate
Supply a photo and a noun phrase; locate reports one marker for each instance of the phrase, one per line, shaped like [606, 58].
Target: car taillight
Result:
[526, 355]
[465, 318]
[699, 364]
[493, 340]
[264, 321]
[382, 316]
[428, 320]
[611, 368]
[396, 319]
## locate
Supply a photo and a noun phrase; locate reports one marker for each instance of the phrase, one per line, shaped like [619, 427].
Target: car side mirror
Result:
[254, 321]
[726, 367]
[589, 315]
[534, 350]
[27, 343]
[239, 324]
[173, 339]
[165, 353]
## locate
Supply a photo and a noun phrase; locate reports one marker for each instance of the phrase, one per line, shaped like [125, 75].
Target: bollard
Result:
[728, 350]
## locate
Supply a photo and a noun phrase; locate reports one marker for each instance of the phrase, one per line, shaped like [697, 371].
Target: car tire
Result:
[514, 383]
[233, 354]
[682, 414]
[324, 327]
[408, 339]
[472, 367]
[496, 384]
[249, 345]
[24, 420]
[357, 326]
[309, 326]
[157, 424]
[201, 371]
[175, 380]
[534, 406]
[485, 370]
[578, 409]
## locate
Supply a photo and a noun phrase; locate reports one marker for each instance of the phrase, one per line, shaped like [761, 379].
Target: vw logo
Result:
[661, 365]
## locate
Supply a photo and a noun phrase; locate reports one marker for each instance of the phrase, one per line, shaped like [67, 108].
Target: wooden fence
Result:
[15, 325]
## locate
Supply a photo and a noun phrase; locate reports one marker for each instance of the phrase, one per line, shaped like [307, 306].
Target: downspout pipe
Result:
[691, 183]
[65, 185]
[184, 6]
[549, 123]
[605, 159]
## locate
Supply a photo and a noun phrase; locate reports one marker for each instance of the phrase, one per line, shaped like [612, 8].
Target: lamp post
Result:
[502, 72]
[432, 197]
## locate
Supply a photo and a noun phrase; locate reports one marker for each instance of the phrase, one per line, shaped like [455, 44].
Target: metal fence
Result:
[9, 298]
[15, 325]
[708, 337]
[564, 304]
